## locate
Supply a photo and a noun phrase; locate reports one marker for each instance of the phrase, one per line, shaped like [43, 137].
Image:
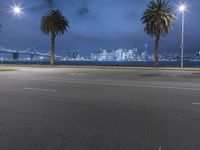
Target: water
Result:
[111, 63]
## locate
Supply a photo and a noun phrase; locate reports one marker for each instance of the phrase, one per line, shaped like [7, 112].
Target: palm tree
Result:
[158, 19]
[54, 24]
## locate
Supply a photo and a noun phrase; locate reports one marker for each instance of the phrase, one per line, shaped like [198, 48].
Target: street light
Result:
[17, 10]
[182, 9]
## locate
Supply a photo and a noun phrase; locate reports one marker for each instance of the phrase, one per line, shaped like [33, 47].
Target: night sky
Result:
[94, 24]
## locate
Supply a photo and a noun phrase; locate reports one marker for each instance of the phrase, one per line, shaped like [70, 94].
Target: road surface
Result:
[99, 109]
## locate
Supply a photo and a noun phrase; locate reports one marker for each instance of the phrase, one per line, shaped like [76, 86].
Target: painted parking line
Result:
[37, 89]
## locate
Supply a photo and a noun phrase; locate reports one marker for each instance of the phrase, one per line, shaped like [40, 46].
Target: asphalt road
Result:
[99, 109]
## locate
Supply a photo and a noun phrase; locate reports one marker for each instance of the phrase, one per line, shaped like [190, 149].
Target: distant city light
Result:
[17, 10]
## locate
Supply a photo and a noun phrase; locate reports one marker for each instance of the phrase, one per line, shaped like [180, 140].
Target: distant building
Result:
[73, 55]
[146, 52]
[116, 55]
[119, 54]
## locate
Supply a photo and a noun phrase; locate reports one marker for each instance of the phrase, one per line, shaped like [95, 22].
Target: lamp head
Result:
[182, 8]
[17, 10]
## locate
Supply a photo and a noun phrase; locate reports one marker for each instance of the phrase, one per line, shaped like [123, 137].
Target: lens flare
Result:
[17, 10]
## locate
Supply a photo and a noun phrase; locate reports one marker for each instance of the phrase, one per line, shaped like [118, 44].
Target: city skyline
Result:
[102, 55]
[92, 28]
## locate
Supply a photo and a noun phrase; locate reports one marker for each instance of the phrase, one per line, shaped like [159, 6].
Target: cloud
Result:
[50, 3]
[83, 11]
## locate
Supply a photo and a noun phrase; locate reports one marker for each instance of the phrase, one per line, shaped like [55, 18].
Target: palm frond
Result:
[54, 21]
[158, 18]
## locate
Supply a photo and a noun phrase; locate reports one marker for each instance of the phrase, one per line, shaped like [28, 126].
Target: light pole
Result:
[182, 10]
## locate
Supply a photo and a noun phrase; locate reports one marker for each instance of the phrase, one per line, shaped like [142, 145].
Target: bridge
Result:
[30, 51]
[196, 55]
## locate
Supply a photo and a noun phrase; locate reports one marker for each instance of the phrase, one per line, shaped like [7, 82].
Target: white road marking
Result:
[37, 89]
[130, 85]
[196, 103]
[111, 84]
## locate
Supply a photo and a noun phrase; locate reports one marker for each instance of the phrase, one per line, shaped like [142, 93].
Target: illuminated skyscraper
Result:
[146, 51]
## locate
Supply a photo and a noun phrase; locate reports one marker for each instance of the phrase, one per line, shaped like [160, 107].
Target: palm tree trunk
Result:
[53, 36]
[156, 51]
